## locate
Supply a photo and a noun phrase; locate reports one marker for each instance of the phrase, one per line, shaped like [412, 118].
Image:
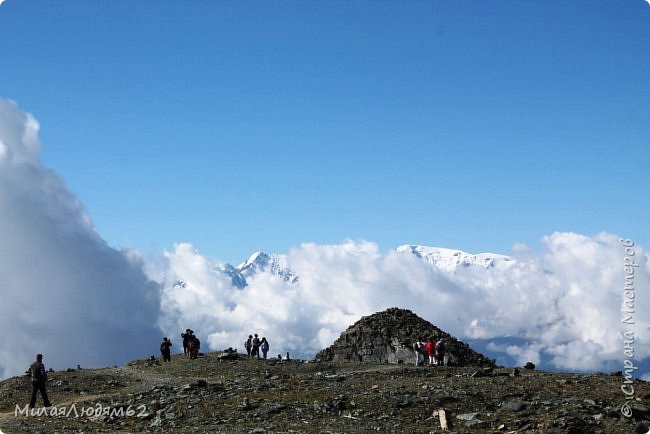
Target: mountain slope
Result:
[221, 393]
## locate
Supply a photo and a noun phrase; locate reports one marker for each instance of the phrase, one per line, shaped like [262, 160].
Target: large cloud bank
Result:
[561, 308]
[63, 291]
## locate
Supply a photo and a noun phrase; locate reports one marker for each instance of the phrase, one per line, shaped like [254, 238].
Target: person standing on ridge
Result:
[431, 351]
[264, 347]
[186, 338]
[256, 347]
[440, 352]
[249, 345]
[165, 350]
[39, 377]
[418, 348]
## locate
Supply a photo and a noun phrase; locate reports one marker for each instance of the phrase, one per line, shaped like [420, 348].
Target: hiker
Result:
[264, 346]
[39, 377]
[248, 345]
[418, 347]
[431, 351]
[165, 350]
[193, 346]
[255, 352]
[186, 339]
[440, 352]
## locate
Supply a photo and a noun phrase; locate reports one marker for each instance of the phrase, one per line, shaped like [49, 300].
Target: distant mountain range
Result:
[448, 260]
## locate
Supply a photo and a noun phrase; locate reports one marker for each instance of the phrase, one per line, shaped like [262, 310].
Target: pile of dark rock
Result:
[388, 337]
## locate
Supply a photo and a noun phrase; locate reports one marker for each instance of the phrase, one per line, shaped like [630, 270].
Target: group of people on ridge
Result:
[253, 346]
[191, 344]
[434, 351]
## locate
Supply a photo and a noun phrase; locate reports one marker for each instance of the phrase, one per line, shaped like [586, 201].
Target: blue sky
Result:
[240, 126]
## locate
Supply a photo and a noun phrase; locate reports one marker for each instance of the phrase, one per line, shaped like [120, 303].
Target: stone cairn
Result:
[388, 337]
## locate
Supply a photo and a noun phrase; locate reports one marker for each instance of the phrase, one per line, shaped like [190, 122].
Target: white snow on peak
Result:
[260, 261]
[450, 259]
[256, 260]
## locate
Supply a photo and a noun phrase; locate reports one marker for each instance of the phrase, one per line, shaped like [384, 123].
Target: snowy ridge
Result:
[450, 259]
[261, 262]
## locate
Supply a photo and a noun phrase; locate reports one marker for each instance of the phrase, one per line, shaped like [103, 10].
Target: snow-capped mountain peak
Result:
[260, 261]
[448, 260]
[256, 262]
[451, 259]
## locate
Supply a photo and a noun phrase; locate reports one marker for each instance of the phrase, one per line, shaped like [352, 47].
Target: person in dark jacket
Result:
[249, 345]
[39, 377]
[165, 350]
[440, 352]
[186, 338]
[255, 352]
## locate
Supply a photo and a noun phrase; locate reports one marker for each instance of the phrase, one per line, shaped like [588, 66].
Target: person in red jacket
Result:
[430, 348]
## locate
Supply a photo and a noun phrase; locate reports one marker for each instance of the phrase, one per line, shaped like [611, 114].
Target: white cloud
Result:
[67, 294]
[561, 308]
[64, 292]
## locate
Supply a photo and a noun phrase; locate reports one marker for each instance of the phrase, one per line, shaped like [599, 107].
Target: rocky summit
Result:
[388, 337]
[226, 393]
[348, 388]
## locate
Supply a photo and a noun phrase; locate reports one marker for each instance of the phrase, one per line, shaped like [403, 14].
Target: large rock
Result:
[388, 337]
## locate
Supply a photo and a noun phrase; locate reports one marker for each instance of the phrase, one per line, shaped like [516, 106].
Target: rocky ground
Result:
[216, 394]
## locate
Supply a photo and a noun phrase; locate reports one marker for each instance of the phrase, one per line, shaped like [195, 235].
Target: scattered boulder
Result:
[513, 405]
[228, 354]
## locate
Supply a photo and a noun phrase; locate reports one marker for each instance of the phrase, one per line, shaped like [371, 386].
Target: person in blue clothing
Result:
[264, 346]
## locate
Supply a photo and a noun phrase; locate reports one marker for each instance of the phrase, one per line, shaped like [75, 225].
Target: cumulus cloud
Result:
[65, 293]
[560, 308]
[69, 295]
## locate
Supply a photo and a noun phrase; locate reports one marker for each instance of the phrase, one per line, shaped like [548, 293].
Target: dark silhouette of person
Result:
[255, 352]
[165, 350]
[249, 345]
[186, 338]
[39, 377]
